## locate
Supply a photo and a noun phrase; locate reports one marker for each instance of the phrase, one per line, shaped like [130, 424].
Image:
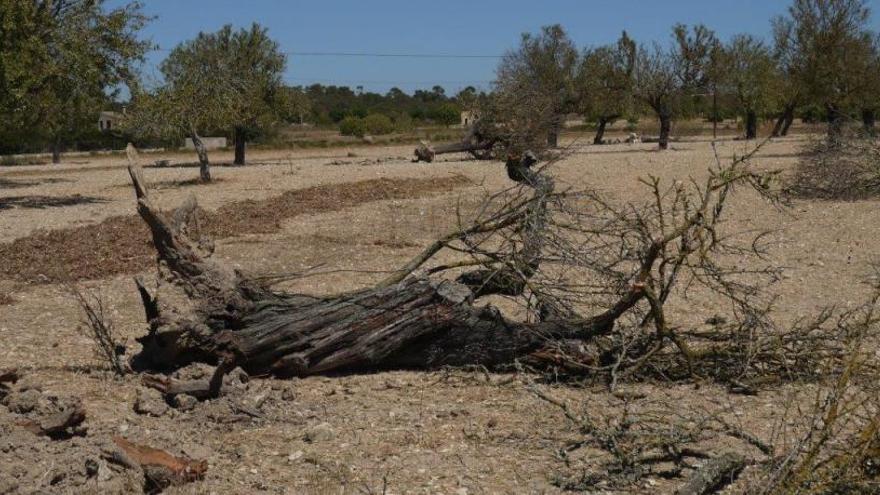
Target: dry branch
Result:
[160, 468]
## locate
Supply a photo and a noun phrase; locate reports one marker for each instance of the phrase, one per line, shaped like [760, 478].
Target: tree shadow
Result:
[17, 183]
[42, 202]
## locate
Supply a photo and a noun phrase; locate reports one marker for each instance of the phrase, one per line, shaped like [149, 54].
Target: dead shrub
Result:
[97, 327]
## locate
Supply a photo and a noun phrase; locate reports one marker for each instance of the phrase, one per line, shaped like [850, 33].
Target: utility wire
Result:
[375, 54]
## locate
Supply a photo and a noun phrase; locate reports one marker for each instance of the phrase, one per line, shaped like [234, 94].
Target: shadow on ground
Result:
[42, 202]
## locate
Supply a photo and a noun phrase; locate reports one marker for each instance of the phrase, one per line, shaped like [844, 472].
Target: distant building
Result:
[108, 120]
[211, 143]
[468, 117]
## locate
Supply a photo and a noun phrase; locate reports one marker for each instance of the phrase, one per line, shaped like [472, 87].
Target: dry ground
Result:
[404, 432]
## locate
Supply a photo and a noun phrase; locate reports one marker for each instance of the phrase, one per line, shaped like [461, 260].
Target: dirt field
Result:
[455, 432]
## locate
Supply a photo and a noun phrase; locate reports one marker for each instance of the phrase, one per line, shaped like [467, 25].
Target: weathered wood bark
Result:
[238, 136]
[751, 125]
[665, 130]
[202, 152]
[404, 322]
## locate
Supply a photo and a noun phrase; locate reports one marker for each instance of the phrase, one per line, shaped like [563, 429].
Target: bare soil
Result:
[444, 431]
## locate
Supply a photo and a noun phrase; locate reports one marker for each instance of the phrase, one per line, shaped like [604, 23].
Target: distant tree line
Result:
[63, 61]
[822, 63]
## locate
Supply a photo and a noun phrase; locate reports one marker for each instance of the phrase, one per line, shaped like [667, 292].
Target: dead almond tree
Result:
[591, 276]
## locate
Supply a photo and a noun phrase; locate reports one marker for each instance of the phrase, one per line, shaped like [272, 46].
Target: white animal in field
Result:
[634, 138]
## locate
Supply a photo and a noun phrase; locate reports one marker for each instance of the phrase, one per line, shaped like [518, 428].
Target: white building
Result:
[211, 143]
[108, 120]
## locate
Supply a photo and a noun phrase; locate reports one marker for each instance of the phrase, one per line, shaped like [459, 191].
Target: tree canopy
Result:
[61, 61]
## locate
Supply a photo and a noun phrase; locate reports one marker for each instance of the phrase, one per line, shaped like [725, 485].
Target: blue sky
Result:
[475, 27]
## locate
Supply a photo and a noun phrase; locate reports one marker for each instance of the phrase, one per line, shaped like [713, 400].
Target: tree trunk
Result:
[835, 121]
[789, 119]
[665, 129]
[869, 121]
[240, 145]
[202, 152]
[56, 152]
[751, 125]
[404, 322]
[553, 132]
[600, 131]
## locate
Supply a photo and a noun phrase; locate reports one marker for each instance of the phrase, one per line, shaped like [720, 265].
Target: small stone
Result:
[150, 402]
[287, 394]
[319, 433]
[23, 402]
[185, 402]
[295, 456]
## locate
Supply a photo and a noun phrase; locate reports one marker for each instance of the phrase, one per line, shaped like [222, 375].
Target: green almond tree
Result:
[605, 82]
[61, 61]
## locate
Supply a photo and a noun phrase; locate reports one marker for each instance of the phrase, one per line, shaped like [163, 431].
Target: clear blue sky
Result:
[467, 27]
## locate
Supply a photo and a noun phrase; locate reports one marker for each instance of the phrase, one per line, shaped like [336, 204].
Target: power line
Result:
[377, 54]
[367, 81]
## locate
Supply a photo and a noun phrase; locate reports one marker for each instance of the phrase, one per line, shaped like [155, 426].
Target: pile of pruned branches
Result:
[845, 166]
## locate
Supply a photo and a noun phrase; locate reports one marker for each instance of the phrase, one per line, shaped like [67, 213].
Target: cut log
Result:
[426, 153]
[714, 475]
[474, 142]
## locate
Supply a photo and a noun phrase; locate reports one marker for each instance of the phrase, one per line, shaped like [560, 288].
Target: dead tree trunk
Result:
[479, 146]
[238, 137]
[404, 322]
[202, 152]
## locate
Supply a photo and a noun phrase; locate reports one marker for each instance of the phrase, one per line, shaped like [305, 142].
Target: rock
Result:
[150, 402]
[319, 433]
[368, 139]
[195, 371]
[23, 402]
[184, 402]
[295, 456]
[236, 379]
[287, 394]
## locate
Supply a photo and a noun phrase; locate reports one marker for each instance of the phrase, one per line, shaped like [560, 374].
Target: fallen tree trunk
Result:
[426, 152]
[405, 322]
[474, 142]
